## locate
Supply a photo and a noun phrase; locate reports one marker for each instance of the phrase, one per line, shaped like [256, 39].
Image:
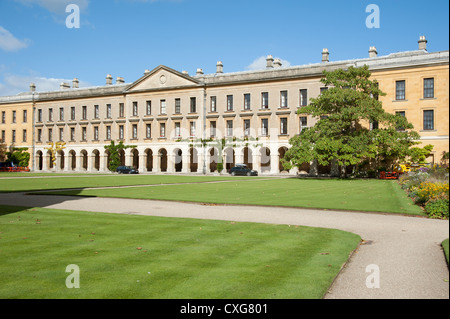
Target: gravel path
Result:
[405, 251]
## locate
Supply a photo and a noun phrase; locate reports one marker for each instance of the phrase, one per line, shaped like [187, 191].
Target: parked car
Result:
[242, 169]
[127, 170]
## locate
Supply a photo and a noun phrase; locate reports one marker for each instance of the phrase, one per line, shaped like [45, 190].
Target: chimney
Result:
[109, 79]
[32, 87]
[325, 55]
[185, 72]
[423, 43]
[120, 80]
[277, 63]
[373, 53]
[269, 60]
[75, 83]
[64, 86]
[219, 67]
[146, 72]
[199, 71]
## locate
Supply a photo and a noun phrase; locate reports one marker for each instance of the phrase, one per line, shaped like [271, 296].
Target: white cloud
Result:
[10, 43]
[14, 84]
[56, 6]
[261, 63]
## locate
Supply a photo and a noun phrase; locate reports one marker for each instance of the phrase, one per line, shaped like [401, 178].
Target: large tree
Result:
[353, 127]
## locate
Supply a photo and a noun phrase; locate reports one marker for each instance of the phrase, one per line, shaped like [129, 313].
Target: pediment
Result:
[162, 77]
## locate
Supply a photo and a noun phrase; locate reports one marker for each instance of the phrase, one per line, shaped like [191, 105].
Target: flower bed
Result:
[429, 188]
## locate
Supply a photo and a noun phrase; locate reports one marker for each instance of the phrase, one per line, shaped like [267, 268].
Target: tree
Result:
[114, 157]
[2, 152]
[420, 154]
[18, 156]
[343, 133]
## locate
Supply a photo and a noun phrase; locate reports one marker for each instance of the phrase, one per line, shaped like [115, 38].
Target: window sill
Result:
[399, 100]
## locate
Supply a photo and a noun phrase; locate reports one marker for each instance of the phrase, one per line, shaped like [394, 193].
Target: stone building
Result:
[178, 122]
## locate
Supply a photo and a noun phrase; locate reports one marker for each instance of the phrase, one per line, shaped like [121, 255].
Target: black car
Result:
[243, 170]
[127, 170]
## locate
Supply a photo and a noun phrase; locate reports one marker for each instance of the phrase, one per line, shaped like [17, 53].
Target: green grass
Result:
[445, 247]
[356, 195]
[179, 258]
[81, 181]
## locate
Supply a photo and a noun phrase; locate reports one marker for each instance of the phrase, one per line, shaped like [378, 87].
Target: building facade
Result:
[184, 124]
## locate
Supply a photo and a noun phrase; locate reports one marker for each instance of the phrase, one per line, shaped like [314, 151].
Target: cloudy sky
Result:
[125, 37]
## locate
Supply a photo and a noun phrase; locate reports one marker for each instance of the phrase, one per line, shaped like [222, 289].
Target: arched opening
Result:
[178, 160]
[230, 158]
[49, 160]
[107, 159]
[96, 159]
[40, 160]
[248, 157]
[61, 157]
[122, 157]
[73, 160]
[149, 162]
[281, 152]
[135, 157]
[163, 159]
[213, 159]
[84, 160]
[193, 160]
[265, 159]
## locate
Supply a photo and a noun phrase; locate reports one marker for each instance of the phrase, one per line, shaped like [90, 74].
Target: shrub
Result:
[428, 190]
[437, 208]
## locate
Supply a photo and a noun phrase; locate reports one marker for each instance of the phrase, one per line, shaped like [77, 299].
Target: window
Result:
[61, 114]
[148, 131]
[50, 135]
[265, 100]
[264, 127]
[246, 127]
[50, 115]
[83, 134]
[121, 110]
[61, 134]
[303, 97]
[213, 128]
[283, 126]
[14, 117]
[193, 105]
[213, 107]
[374, 125]
[400, 113]
[4, 136]
[25, 116]
[428, 88]
[148, 109]
[84, 112]
[177, 106]
[229, 102]
[163, 107]
[121, 132]
[13, 139]
[247, 101]
[72, 113]
[24, 136]
[72, 134]
[4, 116]
[162, 130]
[135, 108]
[400, 90]
[323, 89]
[135, 132]
[284, 99]
[229, 128]
[192, 129]
[95, 133]
[428, 119]
[108, 111]
[96, 112]
[177, 129]
[108, 133]
[303, 122]
[39, 119]
[39, 135]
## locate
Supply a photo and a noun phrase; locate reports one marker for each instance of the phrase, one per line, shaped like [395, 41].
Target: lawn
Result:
[47, 182]
[128, 256]
[355, 195]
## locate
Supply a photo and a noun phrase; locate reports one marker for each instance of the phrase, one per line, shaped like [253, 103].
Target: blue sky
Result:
[125, 37]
